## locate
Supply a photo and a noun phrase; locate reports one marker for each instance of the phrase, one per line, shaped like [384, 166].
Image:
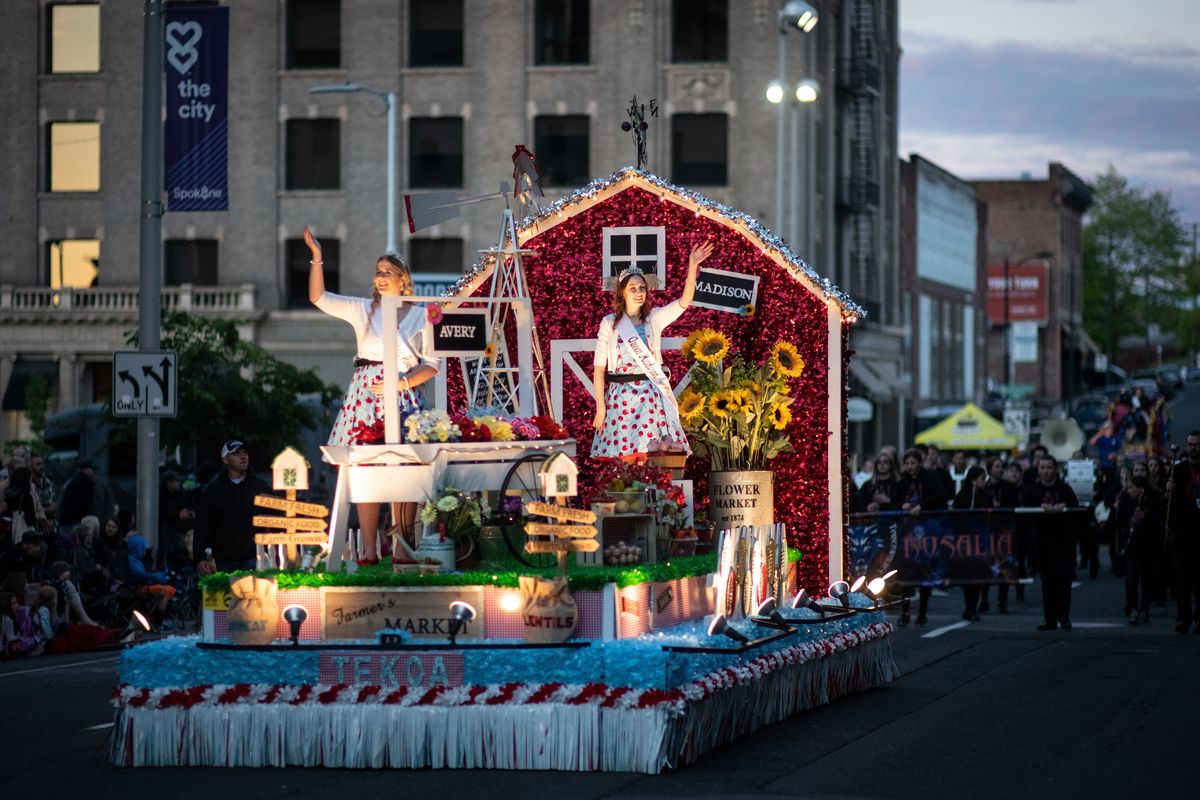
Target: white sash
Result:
[405, 357]
[651, 367]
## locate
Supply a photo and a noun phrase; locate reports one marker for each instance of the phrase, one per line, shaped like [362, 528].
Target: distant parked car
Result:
[1173, 375]
[1090, 411]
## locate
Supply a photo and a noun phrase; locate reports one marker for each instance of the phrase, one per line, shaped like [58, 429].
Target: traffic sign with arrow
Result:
[145, 384]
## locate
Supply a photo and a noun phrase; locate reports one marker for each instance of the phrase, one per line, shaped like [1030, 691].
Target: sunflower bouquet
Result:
[737, 414]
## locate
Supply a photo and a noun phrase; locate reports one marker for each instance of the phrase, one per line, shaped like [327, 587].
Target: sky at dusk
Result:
[997, 88]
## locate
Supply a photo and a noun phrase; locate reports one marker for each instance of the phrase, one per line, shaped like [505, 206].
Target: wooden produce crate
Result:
[635, 529]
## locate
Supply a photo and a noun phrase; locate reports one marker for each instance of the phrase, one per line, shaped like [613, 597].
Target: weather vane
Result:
[637, 125]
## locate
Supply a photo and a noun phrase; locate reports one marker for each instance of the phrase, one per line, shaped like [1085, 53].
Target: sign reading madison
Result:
[726, 291]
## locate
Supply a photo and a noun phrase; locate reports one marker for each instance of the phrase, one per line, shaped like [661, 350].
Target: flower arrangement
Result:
[457, 514]
[430, 426]
[362, 433]
[738, 415]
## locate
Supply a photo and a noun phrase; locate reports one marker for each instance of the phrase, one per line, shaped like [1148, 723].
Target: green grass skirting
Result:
[503, 575]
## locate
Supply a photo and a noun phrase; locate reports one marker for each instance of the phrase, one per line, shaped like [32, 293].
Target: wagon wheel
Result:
[521, 483]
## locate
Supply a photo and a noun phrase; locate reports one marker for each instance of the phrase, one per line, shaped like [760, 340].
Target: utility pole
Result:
[150, 258]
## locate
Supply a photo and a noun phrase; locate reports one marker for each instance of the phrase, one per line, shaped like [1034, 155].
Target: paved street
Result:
[992, 709]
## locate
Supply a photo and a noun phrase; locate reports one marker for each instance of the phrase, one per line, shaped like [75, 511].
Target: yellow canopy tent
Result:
[969, 428]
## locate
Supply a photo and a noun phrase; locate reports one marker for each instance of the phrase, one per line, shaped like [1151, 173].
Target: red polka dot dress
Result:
[634, 415]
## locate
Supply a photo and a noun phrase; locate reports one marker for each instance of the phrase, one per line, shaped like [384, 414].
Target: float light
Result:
[807, 91]
[775, 92]
[461, 612]
[295, 617]
[768, 612]
[840, 591]
[721, 626]
[511, 601]
[142, 622]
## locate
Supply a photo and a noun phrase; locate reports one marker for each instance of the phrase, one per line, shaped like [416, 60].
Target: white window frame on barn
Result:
[654, 280]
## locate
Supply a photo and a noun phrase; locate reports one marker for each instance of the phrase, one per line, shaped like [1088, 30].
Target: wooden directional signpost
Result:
[290, 473]
[558, 476]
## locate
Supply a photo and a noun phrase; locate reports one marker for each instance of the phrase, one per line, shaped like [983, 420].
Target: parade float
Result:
[603, 642]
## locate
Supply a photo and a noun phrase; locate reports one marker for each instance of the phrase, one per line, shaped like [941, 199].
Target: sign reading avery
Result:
[351, 612]
[726, 291]
[195, 135]
[462, 332]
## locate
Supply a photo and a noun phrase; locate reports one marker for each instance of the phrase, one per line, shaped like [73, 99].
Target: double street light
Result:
[389, 98]
[803, 17]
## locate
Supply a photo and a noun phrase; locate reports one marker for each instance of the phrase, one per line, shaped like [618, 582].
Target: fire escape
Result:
[861, 186]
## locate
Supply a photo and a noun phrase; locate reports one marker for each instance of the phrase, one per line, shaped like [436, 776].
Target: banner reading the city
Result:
[941, 548]
[197, 72]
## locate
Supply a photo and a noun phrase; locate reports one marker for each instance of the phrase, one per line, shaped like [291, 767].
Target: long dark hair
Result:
[406, 281]
[619, 297]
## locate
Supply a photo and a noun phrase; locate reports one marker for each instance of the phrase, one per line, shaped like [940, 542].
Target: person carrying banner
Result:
[882, 491]
[635, 404]
[362, 408]
[1054, 540]
[919, 491]
[974, 494]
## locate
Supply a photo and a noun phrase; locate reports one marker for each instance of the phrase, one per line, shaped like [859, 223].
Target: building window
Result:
[314, 154]
[561, 146]
[73, 263]
[700, 149]
[192, 261]
[561, 32]
[435, 152]
[74, 44]
[314, 34]
[435, 33]
[700, 31]
[443, 255]
[74, 157]
[297, 254]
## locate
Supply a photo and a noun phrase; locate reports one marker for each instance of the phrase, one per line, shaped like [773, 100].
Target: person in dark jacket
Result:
[1054, 540]
[1184, 535]
[919, 491]
[974, 494]
[175, 519]
[879, 493]
[225, 512]
[1139, 531]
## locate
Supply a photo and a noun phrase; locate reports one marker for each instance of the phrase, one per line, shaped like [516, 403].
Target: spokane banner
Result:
[941, 548]
[197, 72]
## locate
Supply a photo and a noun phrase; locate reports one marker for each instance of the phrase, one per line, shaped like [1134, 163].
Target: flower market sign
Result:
[723, 290]
[351, 612]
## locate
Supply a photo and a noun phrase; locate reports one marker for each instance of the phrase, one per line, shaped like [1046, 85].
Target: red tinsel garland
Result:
[564, 284]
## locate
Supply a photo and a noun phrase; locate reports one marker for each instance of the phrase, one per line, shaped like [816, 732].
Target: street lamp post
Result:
[801, 15]
[389, 98]
[807, 92]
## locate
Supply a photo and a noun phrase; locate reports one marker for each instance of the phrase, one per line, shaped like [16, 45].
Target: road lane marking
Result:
[1099, 625]
[99, 727]
[114, 659]
[936, 632]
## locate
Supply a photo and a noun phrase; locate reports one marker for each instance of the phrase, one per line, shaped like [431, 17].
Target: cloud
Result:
[997, 110]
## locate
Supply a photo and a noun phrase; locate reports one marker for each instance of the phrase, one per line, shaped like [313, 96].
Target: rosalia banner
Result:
[197, 72]
[938, 549]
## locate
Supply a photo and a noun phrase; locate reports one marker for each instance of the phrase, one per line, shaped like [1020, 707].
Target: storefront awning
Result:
[23, 372]
[879, 378]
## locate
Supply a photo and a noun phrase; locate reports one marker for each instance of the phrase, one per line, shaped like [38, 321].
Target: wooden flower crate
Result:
[639, 530]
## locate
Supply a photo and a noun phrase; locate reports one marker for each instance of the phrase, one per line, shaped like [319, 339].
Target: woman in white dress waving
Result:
[635, 404]
[363, 406]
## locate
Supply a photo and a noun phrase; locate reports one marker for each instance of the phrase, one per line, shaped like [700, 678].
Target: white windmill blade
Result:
[433, 208]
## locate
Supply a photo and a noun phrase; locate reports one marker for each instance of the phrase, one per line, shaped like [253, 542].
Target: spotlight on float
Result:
[768, 614]
[858, 583]
[139, 621]
[461, 612]
[887, 576]
[295, 616]
[875, 589]
[720, 626]
[840, 591]
[802, 600]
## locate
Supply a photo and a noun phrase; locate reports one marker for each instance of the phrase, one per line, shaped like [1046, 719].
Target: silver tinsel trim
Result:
[767, 240]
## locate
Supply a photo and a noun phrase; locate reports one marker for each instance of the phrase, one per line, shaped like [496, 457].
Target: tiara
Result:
[629, 272]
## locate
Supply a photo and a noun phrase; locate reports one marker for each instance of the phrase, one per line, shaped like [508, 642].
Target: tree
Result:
[230, 387]
[1135, 270]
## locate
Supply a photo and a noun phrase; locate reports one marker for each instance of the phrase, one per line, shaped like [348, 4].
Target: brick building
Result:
[1030, 223]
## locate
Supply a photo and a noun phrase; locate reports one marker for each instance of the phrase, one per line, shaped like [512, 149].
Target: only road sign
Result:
[145, 384]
